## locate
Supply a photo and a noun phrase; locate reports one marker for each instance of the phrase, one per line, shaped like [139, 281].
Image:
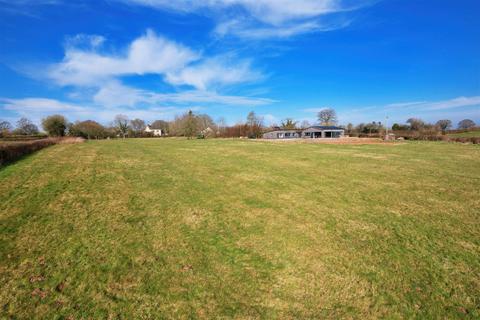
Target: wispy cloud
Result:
[85, 64]
[115, 94]
[148, 54]
[438, 105]
[31, 105]
[454, 109]
[261, 19]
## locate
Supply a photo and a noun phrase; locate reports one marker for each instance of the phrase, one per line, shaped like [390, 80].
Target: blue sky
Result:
[153, 59]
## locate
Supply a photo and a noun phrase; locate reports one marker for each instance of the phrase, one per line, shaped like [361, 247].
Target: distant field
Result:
[466, 134]
[168, 228]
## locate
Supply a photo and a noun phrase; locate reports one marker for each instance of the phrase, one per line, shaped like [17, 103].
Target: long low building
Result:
[314, 132]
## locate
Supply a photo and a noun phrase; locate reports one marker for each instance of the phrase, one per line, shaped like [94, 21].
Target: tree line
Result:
[192, 125]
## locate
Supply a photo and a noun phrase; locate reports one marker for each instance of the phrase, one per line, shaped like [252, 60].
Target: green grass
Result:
[465, 134]
[241, 229]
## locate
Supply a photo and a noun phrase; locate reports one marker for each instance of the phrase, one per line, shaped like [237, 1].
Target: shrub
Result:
[12, 151]
[55, 125]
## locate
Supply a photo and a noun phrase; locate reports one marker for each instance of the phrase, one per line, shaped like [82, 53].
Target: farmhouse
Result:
[157, 132]
[314, 132]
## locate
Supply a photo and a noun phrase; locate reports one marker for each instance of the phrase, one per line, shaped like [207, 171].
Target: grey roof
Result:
[325, 128]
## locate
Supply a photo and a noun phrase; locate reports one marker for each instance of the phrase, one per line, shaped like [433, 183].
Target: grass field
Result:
[465, 134]
[241, 229]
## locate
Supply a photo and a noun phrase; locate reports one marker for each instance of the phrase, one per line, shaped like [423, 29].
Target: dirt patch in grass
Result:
[340, 141]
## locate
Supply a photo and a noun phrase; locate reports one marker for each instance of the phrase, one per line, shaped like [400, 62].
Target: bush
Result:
[12, 151]
[55, 125]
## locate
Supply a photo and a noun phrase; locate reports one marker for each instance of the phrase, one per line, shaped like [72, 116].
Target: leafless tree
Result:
[327, 117]
[466, 124]
[137, 125]
[255, 125]
[26, 127]
[416, 124]
[444, 125]
[5, 128]
[305, 124]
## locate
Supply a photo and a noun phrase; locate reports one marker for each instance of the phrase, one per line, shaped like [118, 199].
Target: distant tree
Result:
[349, 128]
[88, 129]
[400, 127]
[416, 124]
[190, 125]
[327, 117]
[466, 124]
[305, 124]
[137, 126]
[26, 127]
[370, 128]
[55, 125]
[254, 125]
[289, 124]
[204, 121]
[5, 128]
[221, 124]
[444, 125]
[121, 124]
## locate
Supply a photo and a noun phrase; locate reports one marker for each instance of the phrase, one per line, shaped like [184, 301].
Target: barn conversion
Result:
[314, 132]
[283, 134]
[323, 132]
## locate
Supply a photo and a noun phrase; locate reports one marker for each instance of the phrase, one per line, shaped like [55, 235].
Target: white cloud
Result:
[454, 109]
[149, 54]
[439, 105]
[263, 18]
[115, 94]
[246, 30]
[270, 119]
[85, 65]
[32, 105]
[218, 71]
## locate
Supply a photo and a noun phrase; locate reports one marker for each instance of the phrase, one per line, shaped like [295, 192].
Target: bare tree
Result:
[121, 124]
[416, 124]
[26, 127]
[255, 125]
[221, 124]
[466, 124]
[444, 125]
[137, 126]
[327, 117]
[305, 124]
[5, 128]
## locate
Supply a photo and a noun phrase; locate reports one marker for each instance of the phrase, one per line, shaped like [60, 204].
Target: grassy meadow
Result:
[170, 228]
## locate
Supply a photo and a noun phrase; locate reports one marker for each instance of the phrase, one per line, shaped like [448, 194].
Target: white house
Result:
[157, 132]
